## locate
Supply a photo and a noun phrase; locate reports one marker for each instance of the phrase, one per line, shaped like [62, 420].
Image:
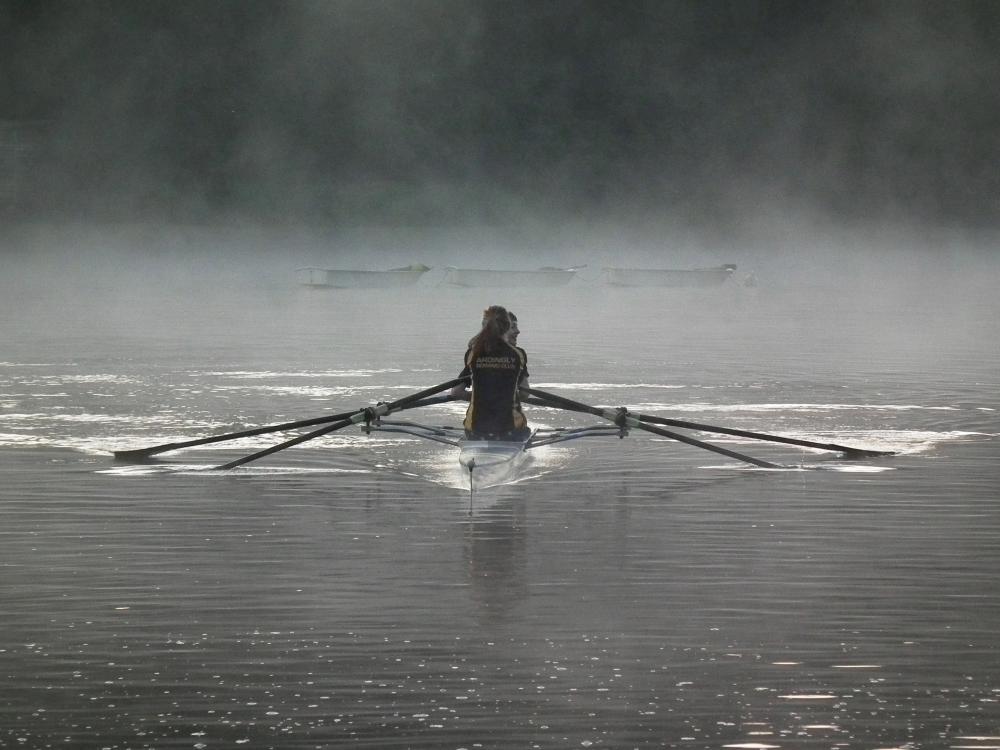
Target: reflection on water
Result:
[625, 593]
[494, 552]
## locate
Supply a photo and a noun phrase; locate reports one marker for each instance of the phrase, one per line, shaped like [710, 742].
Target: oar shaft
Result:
[759, 436]
[700, 444]
[632, 421]
[577, 406]
[564, 402]
[290, 443]
[410, 401]
[155, 449]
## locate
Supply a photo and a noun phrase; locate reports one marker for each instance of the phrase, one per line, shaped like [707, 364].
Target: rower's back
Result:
[495, 369]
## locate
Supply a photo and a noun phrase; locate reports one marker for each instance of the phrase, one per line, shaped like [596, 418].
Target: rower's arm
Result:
[461, 392]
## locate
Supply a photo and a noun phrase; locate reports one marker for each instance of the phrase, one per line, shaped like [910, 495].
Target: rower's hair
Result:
[489, 340]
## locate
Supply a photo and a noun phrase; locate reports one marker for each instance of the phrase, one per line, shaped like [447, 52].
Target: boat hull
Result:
[495, 278]
[351, 279]
[667, 277]
[487, 463]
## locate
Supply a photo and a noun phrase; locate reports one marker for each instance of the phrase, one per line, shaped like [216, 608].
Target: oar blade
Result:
[864, 452]
[139, 455]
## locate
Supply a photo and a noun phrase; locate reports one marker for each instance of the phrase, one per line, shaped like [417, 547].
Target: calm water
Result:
[625, 593]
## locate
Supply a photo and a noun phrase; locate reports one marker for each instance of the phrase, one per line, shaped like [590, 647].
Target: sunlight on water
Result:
[208, 470]
[700, 406]
[605, 386]
[803, 467]
[286, 374]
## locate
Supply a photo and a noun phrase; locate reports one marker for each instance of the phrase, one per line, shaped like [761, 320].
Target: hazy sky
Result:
[463, 111]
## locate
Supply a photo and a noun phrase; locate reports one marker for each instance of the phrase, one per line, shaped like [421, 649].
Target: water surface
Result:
[623, 593]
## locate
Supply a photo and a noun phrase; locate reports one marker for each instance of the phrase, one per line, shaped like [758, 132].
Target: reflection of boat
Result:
[694, 277]
[489, 277]
[351, 279]
[494, 553]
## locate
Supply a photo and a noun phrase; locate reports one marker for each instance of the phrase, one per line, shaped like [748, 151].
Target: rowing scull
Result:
[474, 453]
[487, 463]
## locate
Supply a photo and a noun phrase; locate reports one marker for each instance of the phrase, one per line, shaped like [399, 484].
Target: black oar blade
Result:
[864, 452]
[139, 455]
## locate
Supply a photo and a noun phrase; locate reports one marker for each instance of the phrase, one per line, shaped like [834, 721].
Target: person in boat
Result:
[513, 331]
[495, 368]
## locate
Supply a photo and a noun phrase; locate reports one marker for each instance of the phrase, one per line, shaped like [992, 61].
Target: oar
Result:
[140, 454]
[623, 418]
[845, 449]
[372, 412]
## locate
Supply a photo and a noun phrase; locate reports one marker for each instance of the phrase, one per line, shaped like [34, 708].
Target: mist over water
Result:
[431, 113]
[844, 292]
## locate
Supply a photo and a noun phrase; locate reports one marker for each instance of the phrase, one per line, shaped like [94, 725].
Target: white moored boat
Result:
[357, 279]
[669, 277]
[494, 277]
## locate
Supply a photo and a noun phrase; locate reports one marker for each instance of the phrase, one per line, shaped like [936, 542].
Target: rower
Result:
[512, 333]
[495, 368]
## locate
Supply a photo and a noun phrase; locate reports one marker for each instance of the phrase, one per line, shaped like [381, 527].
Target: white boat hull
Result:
[667, 277]
[350, 279]
[487, 463]
[496, 278]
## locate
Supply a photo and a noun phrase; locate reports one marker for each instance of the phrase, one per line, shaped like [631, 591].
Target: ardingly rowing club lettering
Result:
[506, 363]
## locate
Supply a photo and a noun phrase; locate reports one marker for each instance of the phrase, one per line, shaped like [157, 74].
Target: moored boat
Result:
[495, 277]
[669, 277]
[358, 279]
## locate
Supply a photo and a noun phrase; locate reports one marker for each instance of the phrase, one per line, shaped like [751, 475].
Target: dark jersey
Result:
[494, 408]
